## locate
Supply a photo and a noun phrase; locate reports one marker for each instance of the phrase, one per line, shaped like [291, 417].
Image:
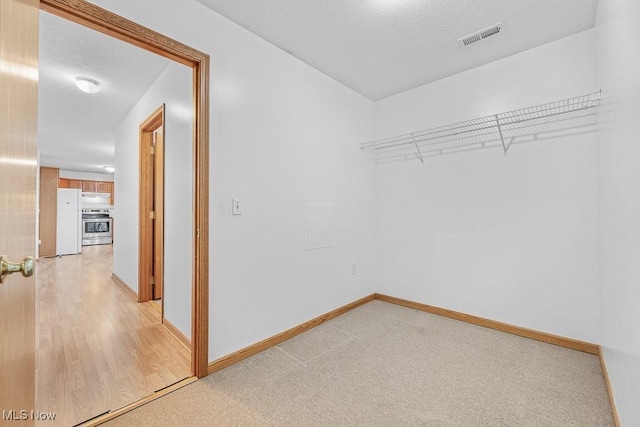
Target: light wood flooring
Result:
[97, 349]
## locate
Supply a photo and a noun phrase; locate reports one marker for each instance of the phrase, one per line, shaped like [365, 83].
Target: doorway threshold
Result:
[127, 408]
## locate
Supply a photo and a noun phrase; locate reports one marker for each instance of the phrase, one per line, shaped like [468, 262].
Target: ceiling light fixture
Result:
[87, 85]
[109, 169]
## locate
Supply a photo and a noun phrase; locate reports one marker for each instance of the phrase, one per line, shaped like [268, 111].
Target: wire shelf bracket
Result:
[559, 118]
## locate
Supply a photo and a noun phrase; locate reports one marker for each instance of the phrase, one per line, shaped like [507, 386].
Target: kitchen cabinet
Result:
[89, 186]
[104, 187]
[69, 183]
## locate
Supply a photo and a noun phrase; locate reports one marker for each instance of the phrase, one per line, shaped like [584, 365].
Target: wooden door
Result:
[151, 240]
[18, 119]
[74, 183]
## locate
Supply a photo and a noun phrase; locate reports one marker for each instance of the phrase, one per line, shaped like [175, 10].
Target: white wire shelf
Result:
[559, 118]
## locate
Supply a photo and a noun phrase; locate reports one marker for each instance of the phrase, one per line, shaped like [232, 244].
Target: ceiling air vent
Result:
[480, 35]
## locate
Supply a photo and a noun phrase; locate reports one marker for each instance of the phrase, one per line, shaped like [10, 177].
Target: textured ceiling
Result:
[383, 47]
[75, 129]
[376, 47]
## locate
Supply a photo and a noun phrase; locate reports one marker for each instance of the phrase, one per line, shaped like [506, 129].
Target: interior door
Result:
[151, 241]
[18, 120]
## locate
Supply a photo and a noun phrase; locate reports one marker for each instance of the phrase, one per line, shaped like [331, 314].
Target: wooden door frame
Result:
[151, 248]
[106, 22]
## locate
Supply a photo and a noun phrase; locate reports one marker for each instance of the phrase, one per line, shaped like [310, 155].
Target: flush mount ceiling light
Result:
[109, 169]
[87, 85]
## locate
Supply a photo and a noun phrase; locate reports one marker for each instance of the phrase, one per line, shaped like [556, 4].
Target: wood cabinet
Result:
[104, 187]
[48, 211]
[87, 186]
[69, 183]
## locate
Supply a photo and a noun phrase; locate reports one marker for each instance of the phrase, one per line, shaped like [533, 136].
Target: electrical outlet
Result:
[236, 206]
[354, 268]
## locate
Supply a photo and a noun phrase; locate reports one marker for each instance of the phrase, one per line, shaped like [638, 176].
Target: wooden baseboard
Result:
[124, 286]
[614, 409]
[113, 414]
[492, 324]
[176, 333]
[239, 355]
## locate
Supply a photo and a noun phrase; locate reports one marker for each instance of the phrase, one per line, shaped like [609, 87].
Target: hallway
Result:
[97, 349]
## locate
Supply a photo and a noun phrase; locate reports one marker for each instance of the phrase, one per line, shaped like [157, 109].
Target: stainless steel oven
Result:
[96, 227]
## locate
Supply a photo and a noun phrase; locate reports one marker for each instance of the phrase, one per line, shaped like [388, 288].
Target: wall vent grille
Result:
[480, 35]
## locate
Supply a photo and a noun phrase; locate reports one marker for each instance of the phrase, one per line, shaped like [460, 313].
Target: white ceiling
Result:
[75, 129]
[383, 47]
[376, 47]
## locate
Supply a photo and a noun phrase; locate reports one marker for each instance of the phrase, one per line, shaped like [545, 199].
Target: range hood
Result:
[92, 194]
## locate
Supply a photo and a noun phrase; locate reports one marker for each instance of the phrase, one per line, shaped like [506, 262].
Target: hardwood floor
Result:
[97, 349]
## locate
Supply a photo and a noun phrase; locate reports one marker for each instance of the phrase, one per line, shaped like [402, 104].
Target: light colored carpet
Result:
[385, 365]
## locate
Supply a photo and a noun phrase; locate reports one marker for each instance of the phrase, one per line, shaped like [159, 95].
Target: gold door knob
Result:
[25, 267]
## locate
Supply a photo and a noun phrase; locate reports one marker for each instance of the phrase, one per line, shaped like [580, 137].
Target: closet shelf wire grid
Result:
[554, 119]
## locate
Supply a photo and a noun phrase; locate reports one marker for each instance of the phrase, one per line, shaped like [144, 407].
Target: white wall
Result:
[282, 134]
[511, 238]
[88, 176]
[619, 206]
[173, 87]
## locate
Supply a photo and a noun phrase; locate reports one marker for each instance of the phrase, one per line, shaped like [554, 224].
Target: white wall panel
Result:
[618, 62]
[511, 238]
[282, 135]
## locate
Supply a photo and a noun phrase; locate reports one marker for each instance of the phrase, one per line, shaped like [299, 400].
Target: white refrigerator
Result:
[69, 222]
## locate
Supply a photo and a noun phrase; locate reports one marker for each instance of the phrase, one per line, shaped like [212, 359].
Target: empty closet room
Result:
[543, 237]
[478, 161]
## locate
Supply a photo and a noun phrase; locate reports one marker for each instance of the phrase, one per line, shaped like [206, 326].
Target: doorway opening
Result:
[96, 18]
[106, 22]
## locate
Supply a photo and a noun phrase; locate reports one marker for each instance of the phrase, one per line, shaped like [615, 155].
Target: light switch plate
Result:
[236, 206]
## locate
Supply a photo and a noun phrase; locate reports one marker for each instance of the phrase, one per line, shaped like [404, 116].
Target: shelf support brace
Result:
[504, 147]
[417, 148]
